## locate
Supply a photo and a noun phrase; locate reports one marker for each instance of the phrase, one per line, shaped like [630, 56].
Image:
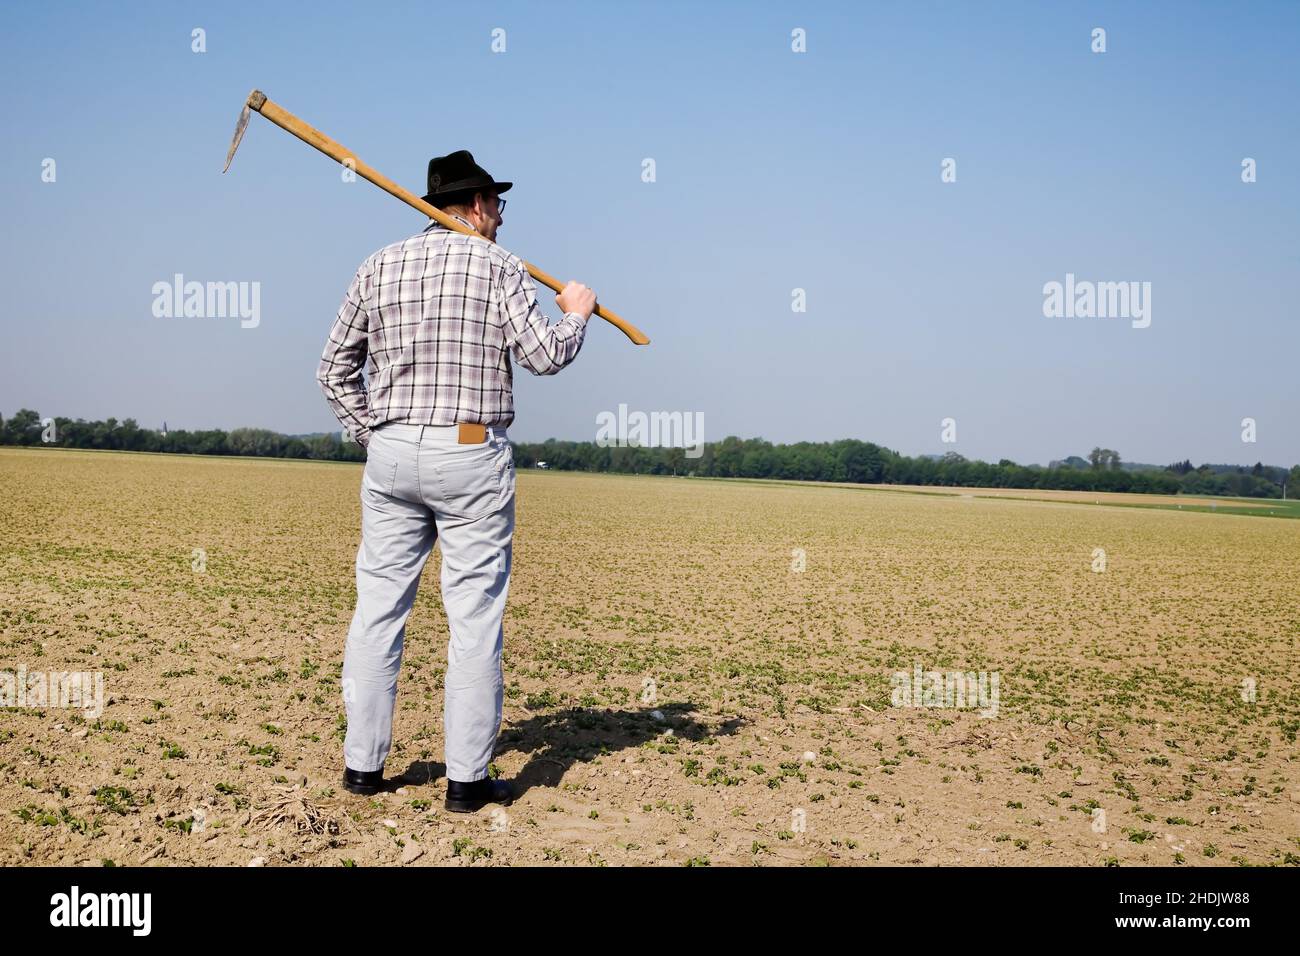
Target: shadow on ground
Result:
[556, 741]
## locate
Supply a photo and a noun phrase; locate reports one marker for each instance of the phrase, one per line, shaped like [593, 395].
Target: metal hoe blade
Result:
[239, 134]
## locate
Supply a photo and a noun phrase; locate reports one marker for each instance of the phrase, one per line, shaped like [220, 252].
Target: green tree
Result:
[24, 428]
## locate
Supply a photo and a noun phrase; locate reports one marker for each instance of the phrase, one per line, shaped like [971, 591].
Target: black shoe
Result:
[363, 782]
[469, 797]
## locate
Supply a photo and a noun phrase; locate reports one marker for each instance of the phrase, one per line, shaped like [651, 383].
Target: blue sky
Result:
[775, 171]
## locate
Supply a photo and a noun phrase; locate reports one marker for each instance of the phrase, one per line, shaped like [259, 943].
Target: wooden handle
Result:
[314, 137]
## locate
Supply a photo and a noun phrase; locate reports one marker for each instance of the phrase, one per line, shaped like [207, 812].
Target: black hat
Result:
[457, 173]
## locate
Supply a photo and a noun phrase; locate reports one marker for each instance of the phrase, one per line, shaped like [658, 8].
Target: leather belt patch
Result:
[472, 434]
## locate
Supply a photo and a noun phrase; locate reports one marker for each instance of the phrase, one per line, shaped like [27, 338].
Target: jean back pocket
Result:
[473, 480]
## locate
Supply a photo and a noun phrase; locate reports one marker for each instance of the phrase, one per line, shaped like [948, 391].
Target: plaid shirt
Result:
[438, 315]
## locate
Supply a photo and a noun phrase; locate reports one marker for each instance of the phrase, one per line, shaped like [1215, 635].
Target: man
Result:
[438, 316]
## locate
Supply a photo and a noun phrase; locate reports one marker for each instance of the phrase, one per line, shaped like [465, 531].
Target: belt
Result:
[465, 433]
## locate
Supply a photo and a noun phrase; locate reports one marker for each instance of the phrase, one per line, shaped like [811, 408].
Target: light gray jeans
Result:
[419, 486]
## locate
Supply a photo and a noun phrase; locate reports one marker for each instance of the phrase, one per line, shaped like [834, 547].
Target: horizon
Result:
[1046, 464]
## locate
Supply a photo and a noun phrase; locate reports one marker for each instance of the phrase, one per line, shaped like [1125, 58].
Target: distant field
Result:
[1261, 507]
[677, 693]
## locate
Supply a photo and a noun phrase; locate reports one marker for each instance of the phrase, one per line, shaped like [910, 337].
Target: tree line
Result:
[27, 427]
[867, 463]
[847, 460]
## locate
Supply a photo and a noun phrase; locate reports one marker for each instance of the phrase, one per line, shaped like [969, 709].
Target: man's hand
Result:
[576, 297]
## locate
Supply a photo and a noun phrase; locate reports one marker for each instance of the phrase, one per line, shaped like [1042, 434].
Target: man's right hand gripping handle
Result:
[576, 297]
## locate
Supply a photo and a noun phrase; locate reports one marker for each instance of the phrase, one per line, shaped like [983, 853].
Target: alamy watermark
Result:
[655, 429]
[75, 908]
[208, 300]
[951, 689]
[1084, 299]
[80, 689]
